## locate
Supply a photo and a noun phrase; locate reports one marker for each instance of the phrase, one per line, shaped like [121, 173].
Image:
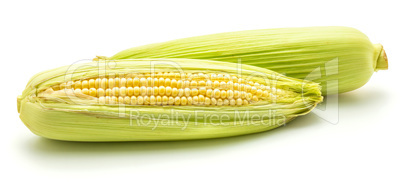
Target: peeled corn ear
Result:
[340, 58]
[155, 99]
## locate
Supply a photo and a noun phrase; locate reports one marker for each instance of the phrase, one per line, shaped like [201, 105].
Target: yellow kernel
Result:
[243, 95]
[209, 84]
[171, 100]
[207, 101]
[117, 82]
[226, 102]
[146, 100]
[127, 100]
[181, 92]
[222, 85]
[133, 100]
[232, 102]
[201, 99]
[129, 82]
[143, 90]
[101, 92]
[177, 76]
[158, 100]
[161, 81]
[229, 85]
[226, 78]
[259, 93]
[183, 101]
[150, 82]
[92, 92]
[186, 84]
[216, 93]
[168, 91]
[201, 83]
[177, 101]
[245, 102]
[236, 94]
[103, 84]
[253, 90]
[77, 92]
[249, 96]
[234, 79]
[255, 98]
[136, 82]
[265, 93]
[195, 100]
[143, 82]
[156, 90]
[140, 100]
[171, 75]
[223, 94]
[115, 91]
[120, 100]
[91, 83]
[150, 91]
[220, 77]
[239, 102]
[122, 91]
[189, 100]
[152, 100]
[108, 92]
[85, 91]
[193, 84]
[174, 83]
[219, 102]
[248, 88]
[236, 86]
[130, 91]
[168, 82]
[213, 101]
[77, 84]
[187, 92]
[137, 91]
[216, 84]
[102, 100]
[209, 93]
[113, 100]
[165, 100]
[179, 84]
[213, 76]
[162, 90]
[174, 92]
[123, 82]
[156, 82]
[202, 91]
[194, 92]
[107, 99]
[111, 83]
[230, 94]
[97, 83]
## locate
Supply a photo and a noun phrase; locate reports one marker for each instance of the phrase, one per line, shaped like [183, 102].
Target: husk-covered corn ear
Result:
[161, 99]
[340, 58]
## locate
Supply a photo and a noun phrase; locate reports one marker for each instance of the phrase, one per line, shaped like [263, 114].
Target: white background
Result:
[364, 146]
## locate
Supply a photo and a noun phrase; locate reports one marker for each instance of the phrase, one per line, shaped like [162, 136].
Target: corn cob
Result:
[304, 53]
[155, 99]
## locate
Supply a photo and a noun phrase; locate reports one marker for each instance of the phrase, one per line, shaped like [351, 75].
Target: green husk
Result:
[340, 58]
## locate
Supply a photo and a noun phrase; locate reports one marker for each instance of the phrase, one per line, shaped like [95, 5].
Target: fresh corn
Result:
[161, 99]
[340, 58]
